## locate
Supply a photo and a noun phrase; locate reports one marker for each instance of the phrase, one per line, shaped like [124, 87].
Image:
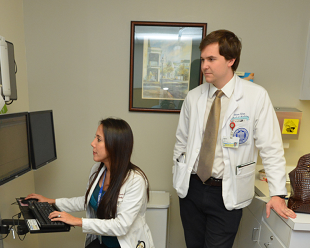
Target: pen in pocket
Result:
[181, 158]
[243, 165]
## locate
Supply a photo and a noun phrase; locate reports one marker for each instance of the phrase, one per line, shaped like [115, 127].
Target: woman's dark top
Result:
[109, 241]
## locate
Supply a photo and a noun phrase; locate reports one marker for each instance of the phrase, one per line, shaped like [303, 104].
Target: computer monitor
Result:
[14, 146]
[42, 138]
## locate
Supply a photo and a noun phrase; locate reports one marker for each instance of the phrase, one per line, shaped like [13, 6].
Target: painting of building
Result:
[166, 69]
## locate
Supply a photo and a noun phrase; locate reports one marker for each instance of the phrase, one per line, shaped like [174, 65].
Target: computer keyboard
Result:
[41, 211]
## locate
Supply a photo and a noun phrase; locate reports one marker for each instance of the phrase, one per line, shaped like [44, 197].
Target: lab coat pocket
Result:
[179, 178]
[245, 168]
[245, 185]
[179, 170]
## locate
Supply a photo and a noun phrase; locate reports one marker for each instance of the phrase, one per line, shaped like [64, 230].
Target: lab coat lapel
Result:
[233, 104]
[201, 106]
[95, 182]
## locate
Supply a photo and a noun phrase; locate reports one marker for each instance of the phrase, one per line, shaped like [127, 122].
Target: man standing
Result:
[223, 124]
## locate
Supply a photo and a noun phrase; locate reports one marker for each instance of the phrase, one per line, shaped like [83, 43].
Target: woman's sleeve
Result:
[68, 205]
[129, 206]
[75, 204]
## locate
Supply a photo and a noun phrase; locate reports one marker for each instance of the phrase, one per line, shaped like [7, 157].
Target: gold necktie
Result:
[207, 151]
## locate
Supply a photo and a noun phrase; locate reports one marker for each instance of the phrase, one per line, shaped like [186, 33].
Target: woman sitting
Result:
[117, 193]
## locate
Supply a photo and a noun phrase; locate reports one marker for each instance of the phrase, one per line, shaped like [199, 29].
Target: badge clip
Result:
[232, 125]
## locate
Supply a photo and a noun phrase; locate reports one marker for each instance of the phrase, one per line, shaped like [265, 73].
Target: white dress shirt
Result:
[218, 164]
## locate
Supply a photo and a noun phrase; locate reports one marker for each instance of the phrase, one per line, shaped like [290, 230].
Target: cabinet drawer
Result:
[268, 238]
[278, 225]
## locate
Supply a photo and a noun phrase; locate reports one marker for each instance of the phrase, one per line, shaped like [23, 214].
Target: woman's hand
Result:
[66, 218]
[40, 198]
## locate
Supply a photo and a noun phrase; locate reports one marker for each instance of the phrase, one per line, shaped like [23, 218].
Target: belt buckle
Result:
[207, 182]
[213, 182]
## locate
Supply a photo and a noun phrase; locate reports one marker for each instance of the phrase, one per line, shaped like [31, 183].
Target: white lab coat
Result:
[129, 225]
[249, 101]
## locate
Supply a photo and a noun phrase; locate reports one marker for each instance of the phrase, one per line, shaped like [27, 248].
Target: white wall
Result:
[78, 55]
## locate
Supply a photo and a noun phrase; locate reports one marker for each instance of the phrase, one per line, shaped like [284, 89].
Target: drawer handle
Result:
[253, 234]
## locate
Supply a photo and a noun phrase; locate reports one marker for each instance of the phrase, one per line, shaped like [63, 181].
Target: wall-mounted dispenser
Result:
[289, 120]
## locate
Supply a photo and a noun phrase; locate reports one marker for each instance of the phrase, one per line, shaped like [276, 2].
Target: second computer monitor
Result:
[14, 146]
[42, 138]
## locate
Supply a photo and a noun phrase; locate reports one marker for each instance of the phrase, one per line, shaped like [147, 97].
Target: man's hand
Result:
[279, 205]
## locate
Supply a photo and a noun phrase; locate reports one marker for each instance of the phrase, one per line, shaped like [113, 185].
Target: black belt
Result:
[210, 182]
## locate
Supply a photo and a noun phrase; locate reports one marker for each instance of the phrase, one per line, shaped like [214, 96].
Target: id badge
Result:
[230, 142]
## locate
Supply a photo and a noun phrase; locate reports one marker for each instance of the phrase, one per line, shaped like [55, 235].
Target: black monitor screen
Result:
[42, 138]
[14, 146]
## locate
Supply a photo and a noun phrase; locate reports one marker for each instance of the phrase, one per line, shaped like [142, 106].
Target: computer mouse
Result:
[24, 201]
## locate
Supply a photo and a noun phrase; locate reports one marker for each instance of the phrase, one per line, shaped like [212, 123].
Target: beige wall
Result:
[12, 28]
[78, 65]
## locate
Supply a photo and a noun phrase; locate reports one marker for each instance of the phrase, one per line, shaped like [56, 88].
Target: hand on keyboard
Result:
[40, 198]
[58, 216]
[41, 211]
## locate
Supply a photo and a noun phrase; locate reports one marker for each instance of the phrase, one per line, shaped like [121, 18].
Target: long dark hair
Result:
[118, 140]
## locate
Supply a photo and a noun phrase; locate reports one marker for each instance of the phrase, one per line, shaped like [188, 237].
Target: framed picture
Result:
[164, 64]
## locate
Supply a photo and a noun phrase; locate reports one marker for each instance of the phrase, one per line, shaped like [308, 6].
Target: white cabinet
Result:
[255, 230]
[284, 233]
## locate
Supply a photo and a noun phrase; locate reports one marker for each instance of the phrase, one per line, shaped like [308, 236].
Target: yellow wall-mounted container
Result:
[289, 120]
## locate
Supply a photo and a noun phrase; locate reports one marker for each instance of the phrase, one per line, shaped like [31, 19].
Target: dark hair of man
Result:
[229, 45]
[118, 140]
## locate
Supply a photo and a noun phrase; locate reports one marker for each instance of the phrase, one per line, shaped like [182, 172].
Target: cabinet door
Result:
[249, 230]
[256, 207]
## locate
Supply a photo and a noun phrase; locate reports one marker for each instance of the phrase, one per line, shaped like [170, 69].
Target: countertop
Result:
[301, 222]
